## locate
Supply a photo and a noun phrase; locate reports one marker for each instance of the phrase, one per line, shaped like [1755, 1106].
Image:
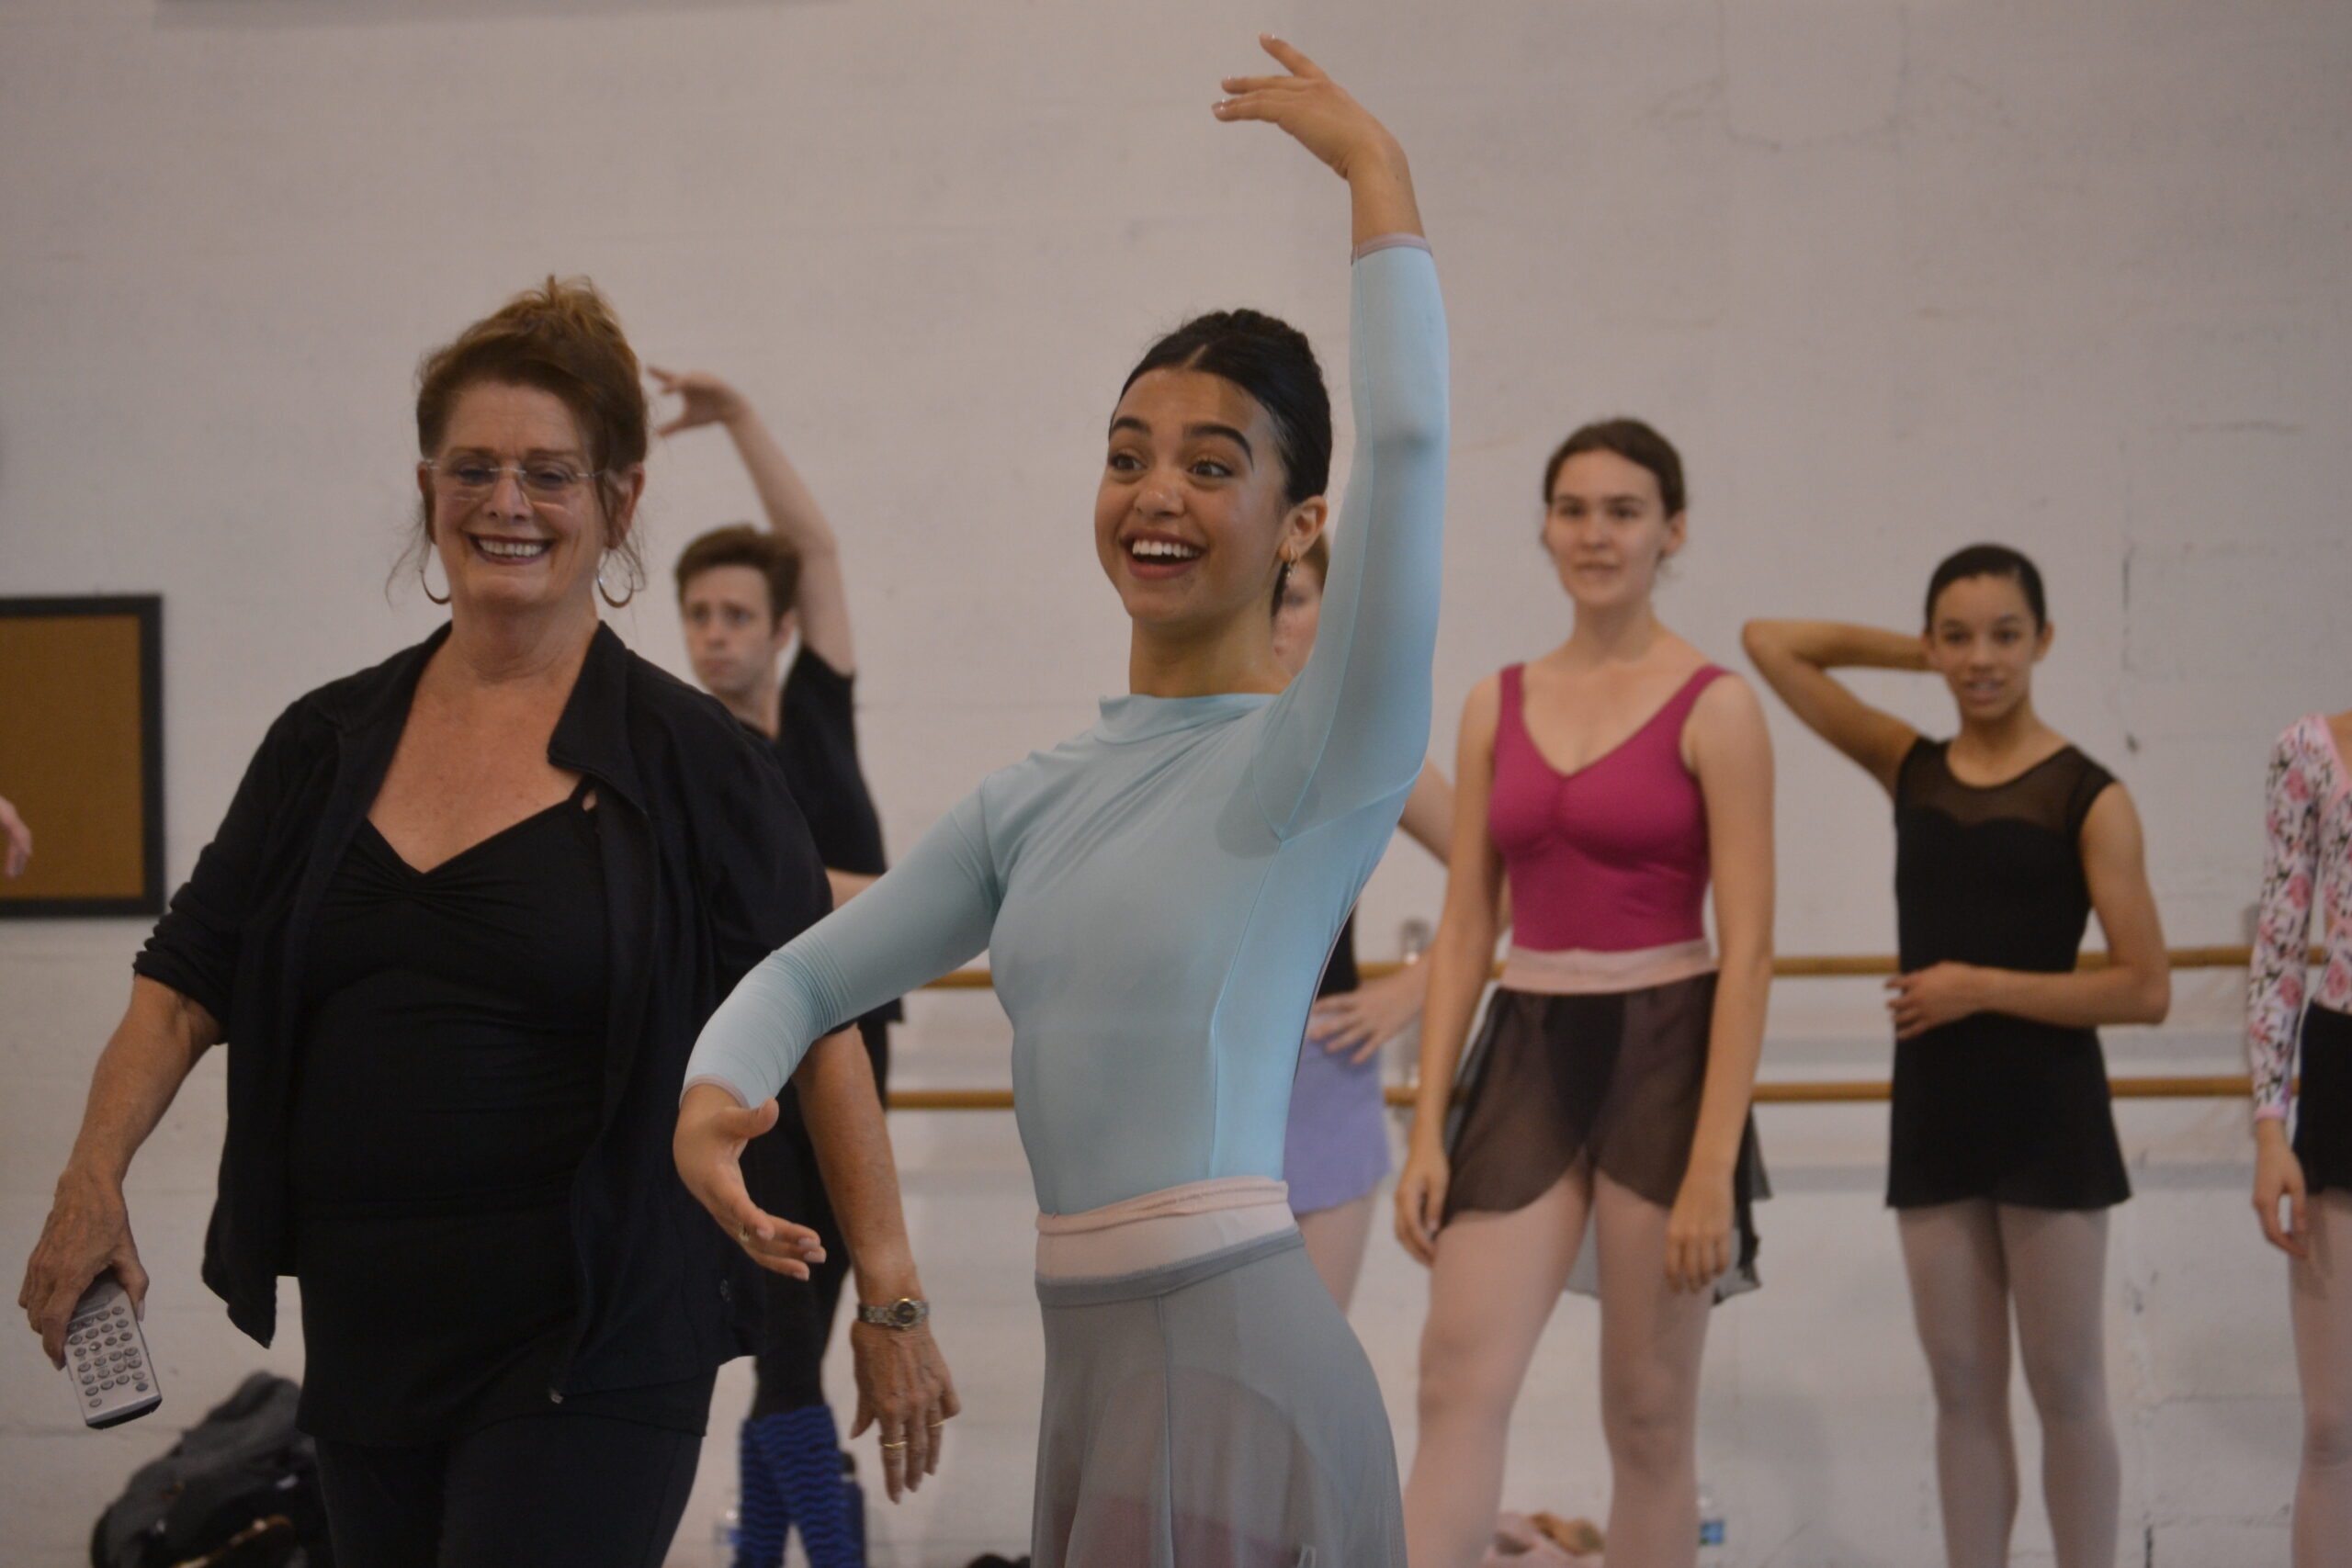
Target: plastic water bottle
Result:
[1713, 1550]
[722, 1537]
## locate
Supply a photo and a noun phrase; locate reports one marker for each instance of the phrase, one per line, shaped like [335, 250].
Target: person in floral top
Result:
[2310, 864]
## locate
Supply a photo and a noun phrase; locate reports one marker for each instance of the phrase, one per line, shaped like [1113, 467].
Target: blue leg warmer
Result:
[761, 1515]
[803, 1453]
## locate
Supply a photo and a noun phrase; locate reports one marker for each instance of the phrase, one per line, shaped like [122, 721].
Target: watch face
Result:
[905, 1314]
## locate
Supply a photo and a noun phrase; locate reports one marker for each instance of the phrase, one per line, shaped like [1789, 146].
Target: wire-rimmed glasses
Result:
[544, 481]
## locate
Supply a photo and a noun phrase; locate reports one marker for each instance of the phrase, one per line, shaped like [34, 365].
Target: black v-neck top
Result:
[447, 1089]
[453, 1024]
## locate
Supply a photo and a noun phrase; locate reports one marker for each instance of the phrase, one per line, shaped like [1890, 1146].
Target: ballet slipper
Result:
[1519, 1544]
[1577, 1537]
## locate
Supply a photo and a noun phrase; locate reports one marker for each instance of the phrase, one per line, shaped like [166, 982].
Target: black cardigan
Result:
[708, 868]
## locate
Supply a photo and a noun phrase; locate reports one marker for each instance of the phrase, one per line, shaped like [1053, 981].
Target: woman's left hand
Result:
[1931, 997]
[903, 1388]
[708, 1148]
[1360, 1021]
[1697, 1234]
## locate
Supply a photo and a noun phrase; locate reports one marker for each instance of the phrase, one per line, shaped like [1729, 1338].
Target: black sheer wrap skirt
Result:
[2323, 1104]
[1610, 1077]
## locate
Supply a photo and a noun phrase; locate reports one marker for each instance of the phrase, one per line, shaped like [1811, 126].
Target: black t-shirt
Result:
[816, 744]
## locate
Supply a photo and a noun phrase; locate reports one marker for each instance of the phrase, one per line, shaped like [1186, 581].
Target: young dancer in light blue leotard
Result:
[1156, 897]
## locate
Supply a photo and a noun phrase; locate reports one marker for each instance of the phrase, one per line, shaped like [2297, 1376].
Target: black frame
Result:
[147, 609]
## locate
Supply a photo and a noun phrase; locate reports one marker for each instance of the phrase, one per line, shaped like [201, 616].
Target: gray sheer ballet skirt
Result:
[1215, 1412]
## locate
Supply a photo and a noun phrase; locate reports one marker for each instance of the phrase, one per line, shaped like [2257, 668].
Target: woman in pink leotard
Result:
[1611, 780]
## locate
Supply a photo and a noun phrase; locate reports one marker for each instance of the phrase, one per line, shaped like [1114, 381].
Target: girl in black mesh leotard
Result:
[2003, 1158]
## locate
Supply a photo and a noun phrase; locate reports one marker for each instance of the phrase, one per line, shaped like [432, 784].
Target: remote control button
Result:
[142, 1388]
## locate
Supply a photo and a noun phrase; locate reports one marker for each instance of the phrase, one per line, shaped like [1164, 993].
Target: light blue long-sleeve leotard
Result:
[1157, 895]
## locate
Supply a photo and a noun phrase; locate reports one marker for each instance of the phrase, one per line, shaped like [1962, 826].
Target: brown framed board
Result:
[82, 753]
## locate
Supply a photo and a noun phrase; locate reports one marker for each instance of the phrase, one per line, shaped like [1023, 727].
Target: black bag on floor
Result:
[239, 1490]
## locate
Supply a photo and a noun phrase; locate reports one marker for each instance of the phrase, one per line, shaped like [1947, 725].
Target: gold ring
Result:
[742, 1232]
[898, 1445]
[935, 1426]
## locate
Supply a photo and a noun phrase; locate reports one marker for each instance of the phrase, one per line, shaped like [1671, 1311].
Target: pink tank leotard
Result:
[1612, 858]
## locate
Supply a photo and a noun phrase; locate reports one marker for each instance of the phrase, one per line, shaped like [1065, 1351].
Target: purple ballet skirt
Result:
[1336, 1149]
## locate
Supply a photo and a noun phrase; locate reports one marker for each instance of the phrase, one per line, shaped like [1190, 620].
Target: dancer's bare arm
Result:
[1795, 658]
[822, 598]
[1359, 1022]
[1731, 755]
[1458, 963]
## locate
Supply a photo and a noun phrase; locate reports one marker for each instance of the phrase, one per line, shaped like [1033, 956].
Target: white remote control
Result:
[105, 1356]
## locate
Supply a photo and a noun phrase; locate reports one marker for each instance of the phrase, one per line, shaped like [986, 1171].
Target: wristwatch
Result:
[904, 1313]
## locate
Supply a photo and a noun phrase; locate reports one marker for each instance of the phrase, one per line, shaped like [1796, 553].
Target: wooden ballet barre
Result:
[1797, 966]
[1814, 1091]
[1803, 1092]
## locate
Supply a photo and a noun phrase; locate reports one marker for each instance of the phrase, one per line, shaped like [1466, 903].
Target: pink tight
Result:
[1492, 1291]
[1335, 1241]
[2319, 1290]
[1972, 1265]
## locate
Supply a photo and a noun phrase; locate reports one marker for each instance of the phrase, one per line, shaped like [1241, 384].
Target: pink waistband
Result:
[1578, 972]
[1155, 1229]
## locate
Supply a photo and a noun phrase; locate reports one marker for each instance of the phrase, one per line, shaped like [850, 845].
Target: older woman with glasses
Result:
[461, 925]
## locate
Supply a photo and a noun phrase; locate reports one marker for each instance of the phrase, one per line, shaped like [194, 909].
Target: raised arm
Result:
[1354, 725]
[1795, 658]
[821, 599]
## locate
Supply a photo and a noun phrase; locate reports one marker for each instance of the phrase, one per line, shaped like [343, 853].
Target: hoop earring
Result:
[606, 594]
[422, 563]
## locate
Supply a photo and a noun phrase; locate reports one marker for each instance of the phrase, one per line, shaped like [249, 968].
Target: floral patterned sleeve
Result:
[2308, 862]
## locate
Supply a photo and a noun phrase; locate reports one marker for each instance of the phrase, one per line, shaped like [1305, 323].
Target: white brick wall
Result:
[1894, 276]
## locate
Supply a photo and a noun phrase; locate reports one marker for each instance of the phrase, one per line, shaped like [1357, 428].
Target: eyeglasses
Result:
[544, 483]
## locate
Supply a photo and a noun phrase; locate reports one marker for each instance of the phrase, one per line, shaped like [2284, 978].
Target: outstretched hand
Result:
[1320, 115]
[704, 399]
[709, 1149]
[15, 840]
